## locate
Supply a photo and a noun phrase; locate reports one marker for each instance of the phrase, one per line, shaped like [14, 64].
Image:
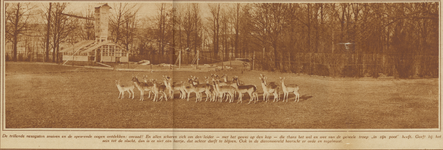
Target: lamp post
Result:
[72, 53]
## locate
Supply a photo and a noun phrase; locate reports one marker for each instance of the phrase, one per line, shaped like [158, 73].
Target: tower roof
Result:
[104, 5]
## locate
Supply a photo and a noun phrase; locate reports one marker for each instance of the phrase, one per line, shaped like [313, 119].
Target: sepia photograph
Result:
[215, 65]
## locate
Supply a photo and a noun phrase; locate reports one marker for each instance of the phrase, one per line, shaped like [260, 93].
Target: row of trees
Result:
[47, 25]
[52, 26]
[390, 38]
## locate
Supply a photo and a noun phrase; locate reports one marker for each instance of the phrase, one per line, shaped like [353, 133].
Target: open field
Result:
[52, 96]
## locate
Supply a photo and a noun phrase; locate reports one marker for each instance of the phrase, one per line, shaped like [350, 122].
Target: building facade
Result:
[101, 49]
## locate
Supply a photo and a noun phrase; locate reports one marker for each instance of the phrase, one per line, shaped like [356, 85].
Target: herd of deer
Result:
[216, 88]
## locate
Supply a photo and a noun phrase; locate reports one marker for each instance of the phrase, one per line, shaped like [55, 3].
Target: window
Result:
[105, 49]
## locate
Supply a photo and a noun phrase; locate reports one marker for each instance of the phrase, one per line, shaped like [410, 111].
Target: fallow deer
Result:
[142, 87]
[290, 88]
[250, 89]
[268, 89]
[122, 89]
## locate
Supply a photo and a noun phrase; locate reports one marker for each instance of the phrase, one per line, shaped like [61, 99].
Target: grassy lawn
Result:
[53, 96]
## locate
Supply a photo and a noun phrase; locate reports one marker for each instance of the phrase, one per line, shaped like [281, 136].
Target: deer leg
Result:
[207, 96]
[264, 98]
[297, 97]
[165, 96]
[188, 96]
[129, 93]
[239, 98]
[141, 95]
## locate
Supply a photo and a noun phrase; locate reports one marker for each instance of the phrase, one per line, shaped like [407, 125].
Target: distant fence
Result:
[171, 58]
[32, 57]
[324, 64]
[352, 65]
[168, 58]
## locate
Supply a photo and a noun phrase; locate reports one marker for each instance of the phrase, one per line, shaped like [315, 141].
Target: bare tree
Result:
[18, 16]
[225, 32]
[235, 14]
[48, 29]
[245, 29]
[121, 12]
[197, 26]
[271, 19]
[177, 26]
[215, 26]
[129, 29]
[61, 27]
[88, 25]
[188, 25]
[164, 26]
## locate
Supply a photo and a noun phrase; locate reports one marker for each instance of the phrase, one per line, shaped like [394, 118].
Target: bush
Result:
[306, 68]
[321, 70]
[7, 57]
[350, 71]
[20, 57]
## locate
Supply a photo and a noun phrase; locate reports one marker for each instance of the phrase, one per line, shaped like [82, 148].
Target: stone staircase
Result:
[103, 64]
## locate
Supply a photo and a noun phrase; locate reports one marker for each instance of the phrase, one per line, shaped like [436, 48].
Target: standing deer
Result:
[220, 90]
[268, 89]
[122, 89]
[142, 87]
[159, 89]
[250, 89]
[289, 89]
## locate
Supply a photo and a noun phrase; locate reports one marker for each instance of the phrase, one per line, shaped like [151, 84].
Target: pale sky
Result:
[146, 9]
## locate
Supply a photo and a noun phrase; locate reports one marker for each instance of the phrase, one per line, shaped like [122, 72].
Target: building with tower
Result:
[101, 49]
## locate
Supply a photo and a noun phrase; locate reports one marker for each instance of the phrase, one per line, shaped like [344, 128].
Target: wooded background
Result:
[389, 39]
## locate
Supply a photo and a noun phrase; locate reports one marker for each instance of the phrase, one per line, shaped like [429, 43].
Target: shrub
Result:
[321, 70]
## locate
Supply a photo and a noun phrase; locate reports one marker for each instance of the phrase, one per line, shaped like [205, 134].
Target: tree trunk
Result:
[16, 32]
[276, 60]
[47, 33]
